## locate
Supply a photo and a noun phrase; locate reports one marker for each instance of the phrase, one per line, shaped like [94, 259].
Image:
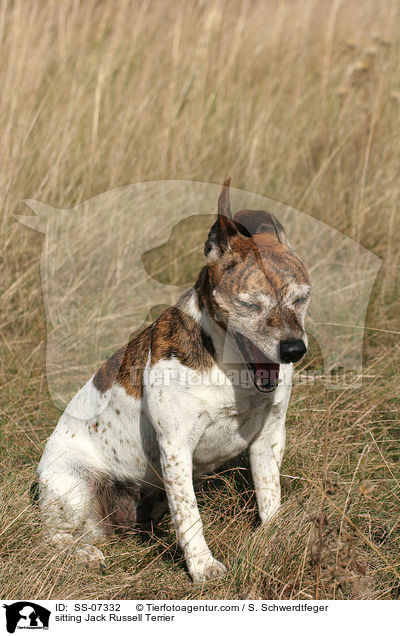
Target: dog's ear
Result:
[224, 228]
[250, 222]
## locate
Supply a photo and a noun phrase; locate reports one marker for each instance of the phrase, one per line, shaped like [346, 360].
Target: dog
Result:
[168, 407]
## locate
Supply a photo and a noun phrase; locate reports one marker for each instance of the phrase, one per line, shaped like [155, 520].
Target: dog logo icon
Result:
[26, 615]
[94, 269]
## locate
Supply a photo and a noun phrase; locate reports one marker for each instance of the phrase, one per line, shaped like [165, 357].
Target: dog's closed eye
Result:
[301, 300]
[249, 305]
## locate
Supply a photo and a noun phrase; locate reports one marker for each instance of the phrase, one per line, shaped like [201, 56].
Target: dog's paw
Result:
[91, 556]
[202, 570]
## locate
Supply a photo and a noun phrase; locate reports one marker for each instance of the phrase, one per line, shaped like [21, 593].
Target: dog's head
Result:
[258, 289]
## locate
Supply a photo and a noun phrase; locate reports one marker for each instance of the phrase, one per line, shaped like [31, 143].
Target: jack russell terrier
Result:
[168, 407]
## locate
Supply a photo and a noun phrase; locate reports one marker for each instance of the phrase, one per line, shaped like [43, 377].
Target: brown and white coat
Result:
[171, 405]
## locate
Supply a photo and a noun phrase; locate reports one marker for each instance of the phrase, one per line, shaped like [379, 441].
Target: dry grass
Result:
[299, 101]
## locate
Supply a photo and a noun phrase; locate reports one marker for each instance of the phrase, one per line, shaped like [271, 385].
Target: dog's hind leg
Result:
[84, 552]
[69, 514]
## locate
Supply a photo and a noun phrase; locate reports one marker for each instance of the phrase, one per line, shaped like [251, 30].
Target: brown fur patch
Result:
[121, 366]
[173, 334]
[116, 502]
[176, 334]
[274, 260]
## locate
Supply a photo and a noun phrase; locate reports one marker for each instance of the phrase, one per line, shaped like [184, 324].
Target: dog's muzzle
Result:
[263, 371]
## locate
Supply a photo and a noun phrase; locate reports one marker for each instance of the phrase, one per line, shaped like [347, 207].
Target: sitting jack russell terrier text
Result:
[121, 445]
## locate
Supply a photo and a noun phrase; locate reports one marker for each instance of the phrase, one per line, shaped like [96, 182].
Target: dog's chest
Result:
[229, 429]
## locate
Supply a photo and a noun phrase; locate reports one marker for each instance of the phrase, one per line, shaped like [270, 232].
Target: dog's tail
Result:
[34, 492]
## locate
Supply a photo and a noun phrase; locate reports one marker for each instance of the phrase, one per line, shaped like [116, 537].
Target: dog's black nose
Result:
[292, 350]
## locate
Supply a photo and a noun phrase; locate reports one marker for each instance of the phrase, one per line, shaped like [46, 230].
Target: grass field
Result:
[299, 101]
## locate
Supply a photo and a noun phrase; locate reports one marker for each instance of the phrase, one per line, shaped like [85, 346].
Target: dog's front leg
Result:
[266, 453]
[176, 465]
